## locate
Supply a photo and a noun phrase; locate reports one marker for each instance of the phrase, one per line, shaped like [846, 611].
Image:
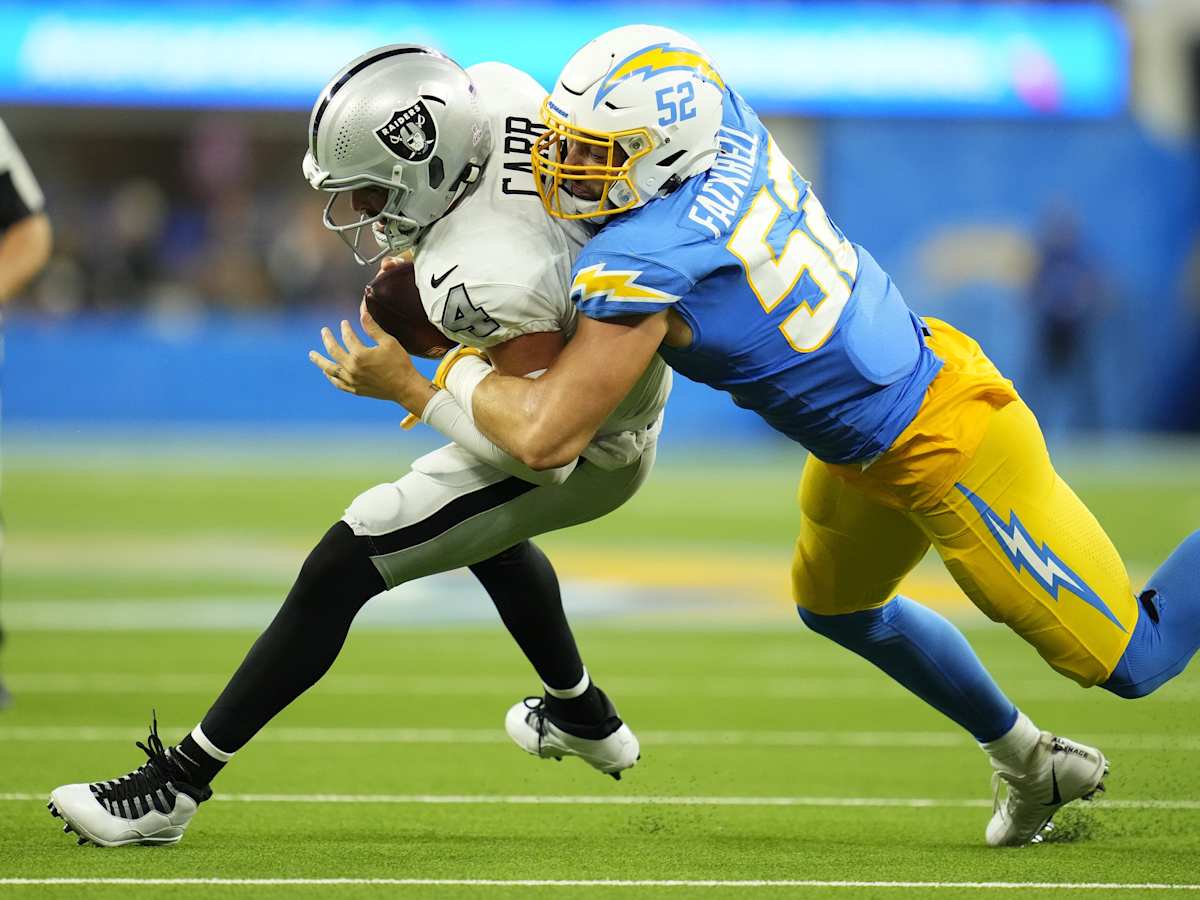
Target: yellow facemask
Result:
[550, 170]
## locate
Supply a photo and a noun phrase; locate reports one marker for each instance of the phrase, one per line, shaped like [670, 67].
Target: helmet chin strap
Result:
[464, 183]
[395, 238]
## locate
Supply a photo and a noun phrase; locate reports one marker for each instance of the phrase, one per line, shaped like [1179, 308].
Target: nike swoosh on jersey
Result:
[1042, 563]
[436, 282]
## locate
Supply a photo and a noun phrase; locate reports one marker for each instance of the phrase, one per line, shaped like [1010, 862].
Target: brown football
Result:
[394, 301]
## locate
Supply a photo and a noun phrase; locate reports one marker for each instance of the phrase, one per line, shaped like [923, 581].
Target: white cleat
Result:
[534, 732]
[151, 805]
[1057, 772]
[87, 818]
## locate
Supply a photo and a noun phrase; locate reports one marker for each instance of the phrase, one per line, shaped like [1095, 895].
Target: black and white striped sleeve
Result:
[20, 195]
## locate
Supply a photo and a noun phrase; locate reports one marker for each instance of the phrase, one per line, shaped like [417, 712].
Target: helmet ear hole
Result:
[437, 172]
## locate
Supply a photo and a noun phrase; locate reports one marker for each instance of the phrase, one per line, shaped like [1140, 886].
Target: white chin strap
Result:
[394, 239]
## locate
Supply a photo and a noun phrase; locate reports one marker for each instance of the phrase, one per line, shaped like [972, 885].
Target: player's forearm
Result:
[24, 251]
[530, 421]
[444, 415]
[548, 422]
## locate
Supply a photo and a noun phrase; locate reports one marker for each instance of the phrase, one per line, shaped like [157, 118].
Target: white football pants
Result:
[451, 510]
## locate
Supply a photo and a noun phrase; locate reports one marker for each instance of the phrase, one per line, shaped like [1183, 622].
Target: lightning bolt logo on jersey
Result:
[594, 283]
[792, 320]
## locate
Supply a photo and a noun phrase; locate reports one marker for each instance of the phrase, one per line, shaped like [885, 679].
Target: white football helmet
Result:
[404, 118]
[649, 90]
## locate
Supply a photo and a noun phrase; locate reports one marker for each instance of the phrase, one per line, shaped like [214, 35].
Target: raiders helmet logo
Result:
[410, 133]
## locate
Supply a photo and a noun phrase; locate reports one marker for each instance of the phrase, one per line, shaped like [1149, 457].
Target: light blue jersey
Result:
[787, 316]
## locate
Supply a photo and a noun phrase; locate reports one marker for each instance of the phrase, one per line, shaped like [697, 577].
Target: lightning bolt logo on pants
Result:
[1042, 563]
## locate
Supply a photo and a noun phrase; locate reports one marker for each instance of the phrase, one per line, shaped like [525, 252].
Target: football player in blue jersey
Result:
[716, 254]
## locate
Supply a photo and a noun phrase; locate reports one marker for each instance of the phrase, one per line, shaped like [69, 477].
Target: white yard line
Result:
[801, 686]
[609, 883]
[731, 738]
[634, 800]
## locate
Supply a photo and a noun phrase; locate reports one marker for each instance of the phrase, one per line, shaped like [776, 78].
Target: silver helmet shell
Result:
[404, 118]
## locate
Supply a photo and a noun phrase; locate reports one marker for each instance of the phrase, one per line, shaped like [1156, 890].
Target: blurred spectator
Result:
[1067, 293]
[129, 264]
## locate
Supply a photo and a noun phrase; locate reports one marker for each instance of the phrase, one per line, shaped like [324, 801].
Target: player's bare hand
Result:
[384, 371]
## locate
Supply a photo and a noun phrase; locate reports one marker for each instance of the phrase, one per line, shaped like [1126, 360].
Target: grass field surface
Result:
[774, 764]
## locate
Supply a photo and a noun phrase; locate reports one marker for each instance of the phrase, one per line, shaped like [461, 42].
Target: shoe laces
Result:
[536, 717]
[150, 786]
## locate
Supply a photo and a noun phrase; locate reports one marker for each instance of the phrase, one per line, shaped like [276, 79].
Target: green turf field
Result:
[137, 579]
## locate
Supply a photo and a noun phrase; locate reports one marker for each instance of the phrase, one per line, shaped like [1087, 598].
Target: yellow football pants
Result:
[972, 477]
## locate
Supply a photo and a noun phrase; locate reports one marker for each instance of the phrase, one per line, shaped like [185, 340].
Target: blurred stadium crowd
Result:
[1062, 236]
[207, 219]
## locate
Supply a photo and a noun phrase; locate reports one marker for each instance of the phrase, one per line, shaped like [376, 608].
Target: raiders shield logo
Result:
[410, 133]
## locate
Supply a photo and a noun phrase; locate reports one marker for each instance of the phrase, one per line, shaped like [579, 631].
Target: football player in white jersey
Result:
[25, 242]
[435, 160]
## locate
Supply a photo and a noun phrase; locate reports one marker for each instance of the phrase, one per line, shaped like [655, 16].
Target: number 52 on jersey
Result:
[813, 247]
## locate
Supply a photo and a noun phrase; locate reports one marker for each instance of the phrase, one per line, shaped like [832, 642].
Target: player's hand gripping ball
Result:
[394, 301]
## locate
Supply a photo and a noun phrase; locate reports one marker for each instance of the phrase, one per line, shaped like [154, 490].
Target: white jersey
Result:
[498, 266]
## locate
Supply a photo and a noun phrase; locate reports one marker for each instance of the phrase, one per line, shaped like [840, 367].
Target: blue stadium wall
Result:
[895, 186]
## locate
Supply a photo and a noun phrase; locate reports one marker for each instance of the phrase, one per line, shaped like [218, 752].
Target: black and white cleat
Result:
[150, 805]
[609, 747]
[1044, 834]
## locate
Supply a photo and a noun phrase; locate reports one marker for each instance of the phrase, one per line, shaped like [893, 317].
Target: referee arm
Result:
[25, 237]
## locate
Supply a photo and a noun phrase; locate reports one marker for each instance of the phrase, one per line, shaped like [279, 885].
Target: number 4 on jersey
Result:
[461, 314]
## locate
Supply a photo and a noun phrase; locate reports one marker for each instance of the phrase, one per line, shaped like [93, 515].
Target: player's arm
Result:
[24, 251]
[25, 237]
[525, 356]
[624, 300]
[548, 421]
[359, 369]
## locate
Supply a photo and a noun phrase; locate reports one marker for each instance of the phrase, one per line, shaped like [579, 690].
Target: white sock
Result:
[209, 747]
[572, 692]
[1014, 746]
